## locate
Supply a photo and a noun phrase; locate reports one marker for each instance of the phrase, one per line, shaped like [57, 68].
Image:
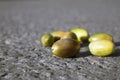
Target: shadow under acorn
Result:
[117, 50]
[83, 53]
[87, 52]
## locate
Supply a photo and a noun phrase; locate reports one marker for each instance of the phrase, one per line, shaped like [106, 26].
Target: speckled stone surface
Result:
[23, 22]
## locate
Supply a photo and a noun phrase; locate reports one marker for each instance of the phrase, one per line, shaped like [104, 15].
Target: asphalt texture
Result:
[22, 23]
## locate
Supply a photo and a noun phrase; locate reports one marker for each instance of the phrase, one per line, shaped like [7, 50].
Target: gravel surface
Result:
[23, 22]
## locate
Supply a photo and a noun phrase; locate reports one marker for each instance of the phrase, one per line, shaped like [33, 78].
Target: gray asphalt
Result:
[22, 23]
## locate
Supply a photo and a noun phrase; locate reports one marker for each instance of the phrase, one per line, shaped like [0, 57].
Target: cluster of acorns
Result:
[67, 44]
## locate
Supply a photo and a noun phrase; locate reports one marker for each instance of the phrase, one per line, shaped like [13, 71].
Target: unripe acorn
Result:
[57, 34]
[47, 40]
[81, 33]
[66, 48]
[101, 47]
[69, 35]
[100, 36]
